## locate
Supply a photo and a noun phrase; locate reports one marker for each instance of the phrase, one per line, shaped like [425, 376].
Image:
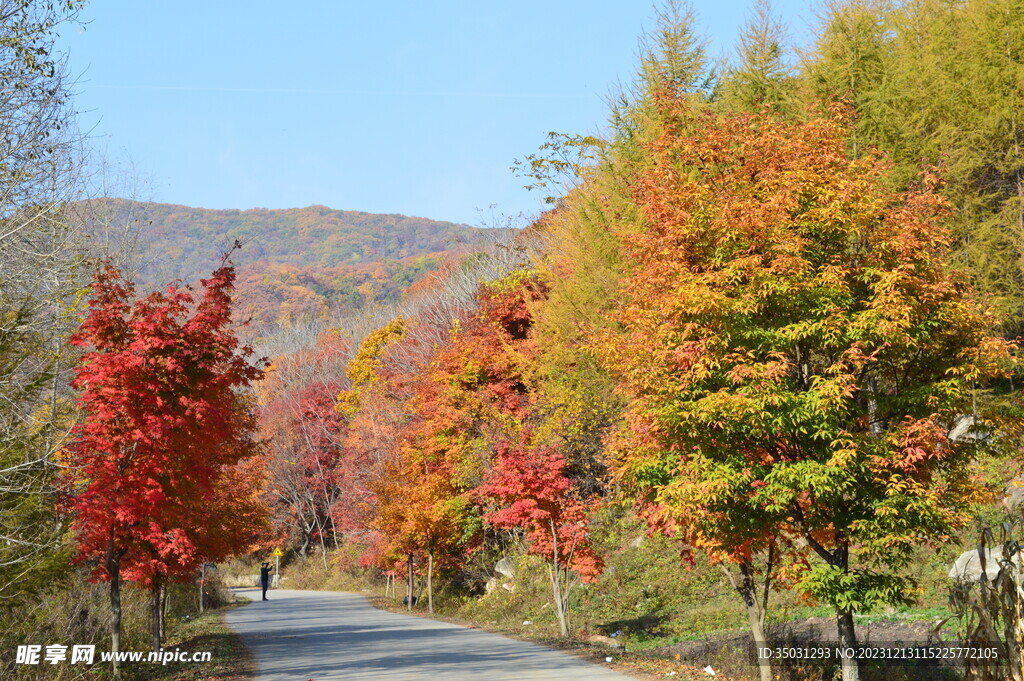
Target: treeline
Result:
[182, 241]
[773, 311]
[297, 265]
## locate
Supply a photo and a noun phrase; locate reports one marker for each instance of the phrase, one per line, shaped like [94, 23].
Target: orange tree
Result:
[796, 349]
[471, 394]
[423, 506]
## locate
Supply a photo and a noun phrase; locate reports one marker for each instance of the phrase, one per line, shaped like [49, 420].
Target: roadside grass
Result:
[632, 663]
[230, 661]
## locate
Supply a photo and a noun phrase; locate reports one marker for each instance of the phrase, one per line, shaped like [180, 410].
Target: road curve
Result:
[332, 636]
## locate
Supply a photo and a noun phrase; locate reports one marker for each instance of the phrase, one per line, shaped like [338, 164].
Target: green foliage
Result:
[649, 591]
[761, 78]
[935, 82]
[560, 157]
[853, 590]
[674, 53]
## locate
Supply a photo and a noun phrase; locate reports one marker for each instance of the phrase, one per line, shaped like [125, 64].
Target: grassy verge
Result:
[636, 664]
[231, 660]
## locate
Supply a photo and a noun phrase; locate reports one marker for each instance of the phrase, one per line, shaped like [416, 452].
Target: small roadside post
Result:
[277, 565]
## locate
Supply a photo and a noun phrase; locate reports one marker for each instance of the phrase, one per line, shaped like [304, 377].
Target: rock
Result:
[505, 567]
[1014, 492]
[491, 585]
[508, 587]
[637, 542]
[967, 567]
[605, 641]
[964, 430]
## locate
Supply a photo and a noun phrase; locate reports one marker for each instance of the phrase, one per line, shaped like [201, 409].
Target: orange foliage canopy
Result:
[471, 394]
[796, 348]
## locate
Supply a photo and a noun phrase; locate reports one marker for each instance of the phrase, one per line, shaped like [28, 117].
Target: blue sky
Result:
[413, 107]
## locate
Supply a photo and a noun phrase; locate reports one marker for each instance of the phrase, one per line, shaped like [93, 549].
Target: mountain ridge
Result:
[295, 263]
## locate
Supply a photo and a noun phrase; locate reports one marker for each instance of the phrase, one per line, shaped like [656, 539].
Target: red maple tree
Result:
[164, 426]
[533, 492]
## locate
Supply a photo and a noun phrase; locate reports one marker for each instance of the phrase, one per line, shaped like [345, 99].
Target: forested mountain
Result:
[295, 263]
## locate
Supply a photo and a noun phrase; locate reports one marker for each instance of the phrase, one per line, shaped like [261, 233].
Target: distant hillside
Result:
[297, 262]
[271, 294]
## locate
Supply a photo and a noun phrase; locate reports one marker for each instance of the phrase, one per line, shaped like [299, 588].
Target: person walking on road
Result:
[265, 571]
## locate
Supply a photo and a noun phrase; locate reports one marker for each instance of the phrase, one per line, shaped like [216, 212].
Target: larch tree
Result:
[164, 421]
[941, 82]
[761, 77]
[797, 349]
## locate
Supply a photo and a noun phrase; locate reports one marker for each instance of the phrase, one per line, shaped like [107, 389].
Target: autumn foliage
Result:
[458, 403]
[796, 349]
[153, 481]
[529, 490]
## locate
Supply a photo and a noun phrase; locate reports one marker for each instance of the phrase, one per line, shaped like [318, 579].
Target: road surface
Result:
[330, 636]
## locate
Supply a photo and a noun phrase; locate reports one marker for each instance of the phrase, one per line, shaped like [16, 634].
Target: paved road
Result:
[330, 636]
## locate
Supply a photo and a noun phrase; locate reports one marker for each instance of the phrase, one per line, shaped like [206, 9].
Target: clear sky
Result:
[409, 106]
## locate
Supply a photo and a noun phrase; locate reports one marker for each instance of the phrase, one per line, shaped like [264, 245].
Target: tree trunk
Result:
[746, 587]
[154, 615]
[848, 639]
[430, 582]
[164, 596]
[755, 615]
[202, 587]
[408, 599]
[556, 584]
[556, 592]
[114, 570]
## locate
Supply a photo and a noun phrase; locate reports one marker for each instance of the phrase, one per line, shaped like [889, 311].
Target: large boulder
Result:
[967, 429]
[967, 568]
[505, 567]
